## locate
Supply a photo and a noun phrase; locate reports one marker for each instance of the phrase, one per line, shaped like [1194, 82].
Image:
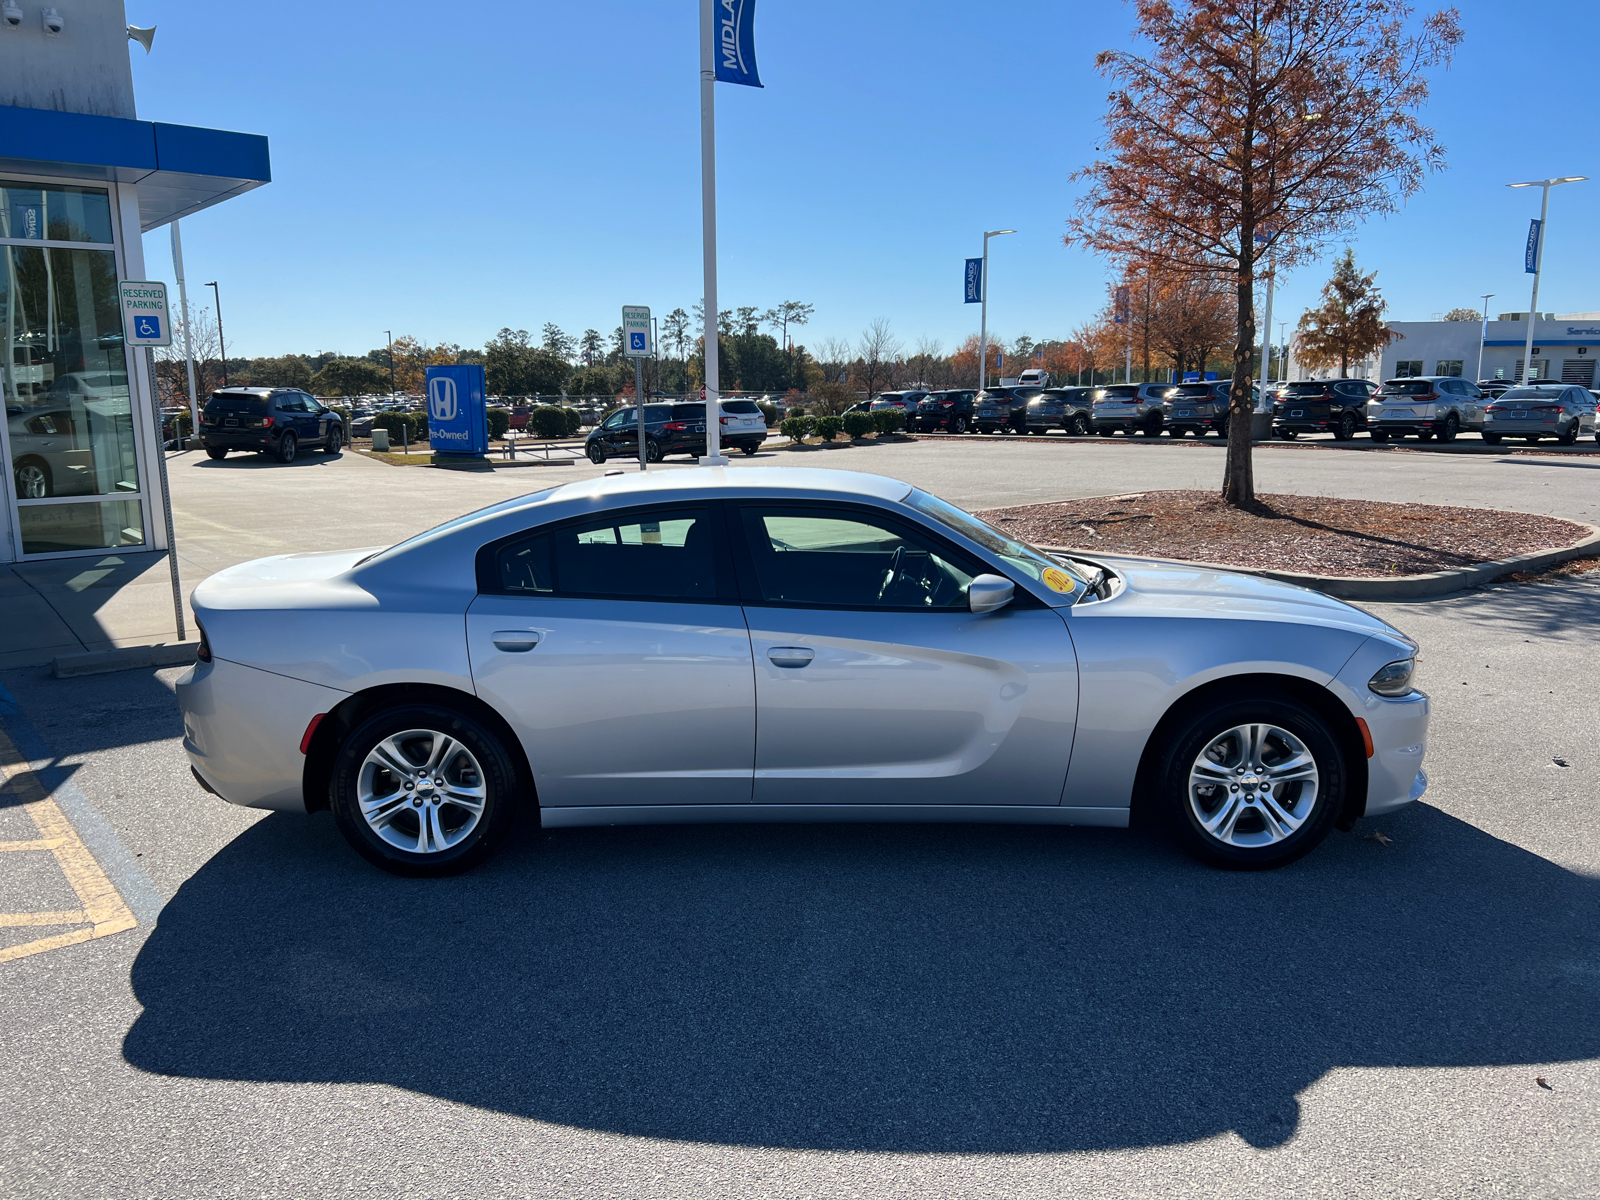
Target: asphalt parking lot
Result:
[1413, 1010]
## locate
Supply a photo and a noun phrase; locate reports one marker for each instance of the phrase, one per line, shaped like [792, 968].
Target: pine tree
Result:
[1348, 325]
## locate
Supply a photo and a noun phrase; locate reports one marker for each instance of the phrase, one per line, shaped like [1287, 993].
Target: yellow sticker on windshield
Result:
[1057, 580]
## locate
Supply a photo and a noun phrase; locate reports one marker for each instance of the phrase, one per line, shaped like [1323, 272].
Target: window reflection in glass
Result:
[56, 211]
[60, 528]
[69, 419]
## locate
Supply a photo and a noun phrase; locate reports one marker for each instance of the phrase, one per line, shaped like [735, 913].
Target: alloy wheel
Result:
[1253, 785]
[32, 482]
[421, 791]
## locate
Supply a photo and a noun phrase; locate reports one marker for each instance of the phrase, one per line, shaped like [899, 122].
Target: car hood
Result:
[1170, 589]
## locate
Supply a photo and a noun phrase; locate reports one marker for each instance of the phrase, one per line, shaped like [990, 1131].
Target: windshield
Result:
[1408, 387]
[1033, 563]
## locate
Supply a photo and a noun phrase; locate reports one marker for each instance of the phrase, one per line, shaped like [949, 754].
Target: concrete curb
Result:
[127, 658]
[1402, 587]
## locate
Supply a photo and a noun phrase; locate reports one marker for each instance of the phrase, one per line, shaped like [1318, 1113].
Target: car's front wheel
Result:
[335, 442]
[1252, 783]
[423, 790]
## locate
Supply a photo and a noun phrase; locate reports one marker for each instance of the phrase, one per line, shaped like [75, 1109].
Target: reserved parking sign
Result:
[145, 321]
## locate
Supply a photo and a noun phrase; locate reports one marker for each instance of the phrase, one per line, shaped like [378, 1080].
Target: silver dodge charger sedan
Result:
[786, 645]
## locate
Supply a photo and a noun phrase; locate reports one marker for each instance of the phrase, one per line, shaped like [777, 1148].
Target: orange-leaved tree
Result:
[1257, 123]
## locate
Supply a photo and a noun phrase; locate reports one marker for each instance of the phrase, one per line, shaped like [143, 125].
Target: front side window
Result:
[623, 416]
[666, 555]
[846, 559]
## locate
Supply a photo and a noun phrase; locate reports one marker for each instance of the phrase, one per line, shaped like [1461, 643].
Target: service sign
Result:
[636, 339]
[145, 320]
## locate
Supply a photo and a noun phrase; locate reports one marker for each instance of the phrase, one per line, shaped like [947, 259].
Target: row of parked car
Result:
[1424, 407]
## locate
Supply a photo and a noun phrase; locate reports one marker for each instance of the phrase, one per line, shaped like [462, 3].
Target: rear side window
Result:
[687, 412]
[667, 555]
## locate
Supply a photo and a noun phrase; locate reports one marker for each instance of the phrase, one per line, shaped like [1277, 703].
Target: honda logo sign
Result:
[441, 399]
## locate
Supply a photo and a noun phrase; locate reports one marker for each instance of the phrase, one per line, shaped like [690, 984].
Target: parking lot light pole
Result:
[1483, 335]
[222, 346]
[983, 312]
[1538, 261]
[389, 334]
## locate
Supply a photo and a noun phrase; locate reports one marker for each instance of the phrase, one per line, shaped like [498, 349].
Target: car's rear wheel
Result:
[1532, 439]
[1079, 426]
[653, 453]
[1424, 435]
[748, 449]
[1346, 428]
[288, 445]
[1252, 783]
[1152, 427]
[1570, 437]
[596, 452]
[1379, 435]
[959, 425]
[423, 790]
[335, 442]
[1494, 438]
[33, 480]
[1451, 427]
[1105, 432]
[1288, 435]
[217, 453]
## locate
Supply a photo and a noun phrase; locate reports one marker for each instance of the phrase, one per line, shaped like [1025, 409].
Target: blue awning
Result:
[180, 169]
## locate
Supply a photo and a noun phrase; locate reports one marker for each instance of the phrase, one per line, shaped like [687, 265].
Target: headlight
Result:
[1393, 679]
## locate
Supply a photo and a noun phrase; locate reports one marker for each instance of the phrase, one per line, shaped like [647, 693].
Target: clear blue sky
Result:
[446, 169]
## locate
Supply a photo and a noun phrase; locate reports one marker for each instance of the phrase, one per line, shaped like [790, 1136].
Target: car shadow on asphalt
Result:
[878, 988]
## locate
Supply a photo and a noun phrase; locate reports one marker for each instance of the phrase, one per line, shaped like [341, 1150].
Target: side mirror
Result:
[987, 593]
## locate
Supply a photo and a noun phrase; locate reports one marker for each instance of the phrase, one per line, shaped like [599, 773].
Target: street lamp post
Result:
[1538, 261]
[1483, 335]
[983, 312]
[389, 335]
[222, 346]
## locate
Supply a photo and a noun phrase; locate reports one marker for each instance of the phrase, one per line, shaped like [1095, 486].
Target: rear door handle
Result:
[515, 641]
[790, 656]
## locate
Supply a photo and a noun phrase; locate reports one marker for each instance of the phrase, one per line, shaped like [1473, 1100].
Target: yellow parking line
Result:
[103, 911]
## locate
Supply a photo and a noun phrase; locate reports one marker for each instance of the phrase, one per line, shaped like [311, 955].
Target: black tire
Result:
[958, 425]
[1346, 429]
[1210, 722]
[1152, 428]
[1493, 439]
[1532, 439]
[498, 780]
[1378, 435]
[33, 479]
[1079, 426]
[653, 453]
[1570, 437]
[1288, 435]
[596, 452]
[216, 453]
[288, 446]
[1424, 435]
[334, 443]
[748, 449]
[1451, 427]
[1222, 430]
[1105, 432]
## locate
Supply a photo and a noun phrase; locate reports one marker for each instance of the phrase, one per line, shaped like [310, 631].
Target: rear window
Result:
[1123, 391]
[237, 402]
[1408, 387]
[1531, 394]
[744, 407]
[658, 412]
[1190, 389]
[1311, 388]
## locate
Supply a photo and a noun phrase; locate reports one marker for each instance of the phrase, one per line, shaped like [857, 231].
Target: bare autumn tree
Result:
[1348, 325]
[878, 349]
[1288, 120]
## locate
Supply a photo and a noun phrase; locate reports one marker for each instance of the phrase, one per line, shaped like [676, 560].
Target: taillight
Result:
[726, 421]
[203, 650]
[674, 427]
[947, 404]
[266, 422]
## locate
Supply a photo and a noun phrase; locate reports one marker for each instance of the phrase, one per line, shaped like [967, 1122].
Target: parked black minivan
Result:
[276, 421]
[668, 429]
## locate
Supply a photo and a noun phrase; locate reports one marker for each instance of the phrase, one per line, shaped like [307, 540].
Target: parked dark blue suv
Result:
[276, 421]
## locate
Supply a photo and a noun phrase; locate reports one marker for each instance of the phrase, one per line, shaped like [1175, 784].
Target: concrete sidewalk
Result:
[75, 605]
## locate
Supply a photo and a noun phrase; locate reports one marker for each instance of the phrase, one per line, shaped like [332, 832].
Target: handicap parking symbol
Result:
[147, 326]
[636, 340]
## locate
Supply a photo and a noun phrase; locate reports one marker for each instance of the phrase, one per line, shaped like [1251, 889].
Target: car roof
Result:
[744, 481]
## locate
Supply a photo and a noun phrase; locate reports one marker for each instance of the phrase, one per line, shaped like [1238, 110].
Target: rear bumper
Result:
[240, 439]
[242, 729]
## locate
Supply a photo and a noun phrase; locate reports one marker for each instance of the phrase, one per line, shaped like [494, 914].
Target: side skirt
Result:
[698, 814]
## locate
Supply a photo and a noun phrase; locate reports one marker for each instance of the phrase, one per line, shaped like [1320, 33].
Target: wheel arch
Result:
[317, 774]
[1313, 695]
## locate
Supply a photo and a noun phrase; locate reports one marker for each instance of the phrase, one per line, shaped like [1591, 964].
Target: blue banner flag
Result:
[1122, 306]
[974, 281]
[735, 44]
[1530, 258]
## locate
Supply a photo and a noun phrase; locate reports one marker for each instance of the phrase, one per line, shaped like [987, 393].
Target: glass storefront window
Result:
[57, 212]
[69, 417]
[58, 528]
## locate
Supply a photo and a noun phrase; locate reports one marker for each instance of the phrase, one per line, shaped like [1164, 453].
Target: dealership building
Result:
[1565, 346]
[81, 179]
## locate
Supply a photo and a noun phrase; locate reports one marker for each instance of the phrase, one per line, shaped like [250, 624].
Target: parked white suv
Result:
[743, 425]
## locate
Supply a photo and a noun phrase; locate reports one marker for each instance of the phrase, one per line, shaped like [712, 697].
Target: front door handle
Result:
[515, 641]
[790, 656]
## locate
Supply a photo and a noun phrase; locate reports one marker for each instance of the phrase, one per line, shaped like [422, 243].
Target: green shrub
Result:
[548, 422]
[796, 429]
[403, 427]
[858, 424]
[499, 422]
[828, 428]
[574, 421]
[888, 420]
[769, 412]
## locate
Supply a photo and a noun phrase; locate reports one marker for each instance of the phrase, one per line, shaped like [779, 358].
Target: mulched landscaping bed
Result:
[1319, 535]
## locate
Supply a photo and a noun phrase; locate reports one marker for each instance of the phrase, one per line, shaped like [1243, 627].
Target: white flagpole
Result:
[188, 346]
[708, 218]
